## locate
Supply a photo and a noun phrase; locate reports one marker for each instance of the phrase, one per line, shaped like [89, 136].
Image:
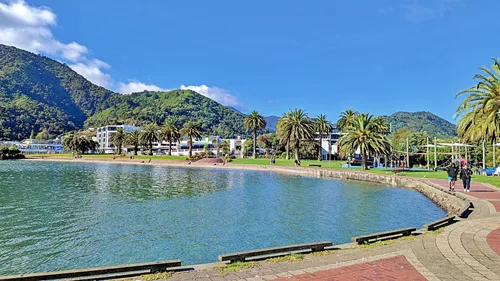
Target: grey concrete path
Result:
[460, 251]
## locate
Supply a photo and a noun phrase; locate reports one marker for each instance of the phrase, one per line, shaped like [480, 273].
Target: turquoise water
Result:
[56, 216]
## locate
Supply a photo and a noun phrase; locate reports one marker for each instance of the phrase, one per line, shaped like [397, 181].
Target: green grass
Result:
[236, 266]
[437, 231]
[386, 242]
[288, 258]
[284, 162]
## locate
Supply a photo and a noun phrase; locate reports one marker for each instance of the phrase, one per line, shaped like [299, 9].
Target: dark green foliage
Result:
[422, 121]
[38, 93]
[10, 152]
[179, 105]
[271, 122]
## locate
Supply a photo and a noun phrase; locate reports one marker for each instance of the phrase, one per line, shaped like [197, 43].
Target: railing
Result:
[119, 271]
[275, 251]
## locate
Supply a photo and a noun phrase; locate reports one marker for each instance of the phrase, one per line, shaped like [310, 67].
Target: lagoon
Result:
[57, 215]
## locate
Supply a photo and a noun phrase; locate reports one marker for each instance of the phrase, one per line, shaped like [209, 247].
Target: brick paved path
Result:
[466, 250]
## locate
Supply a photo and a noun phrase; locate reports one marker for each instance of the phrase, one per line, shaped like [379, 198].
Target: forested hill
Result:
[422, 121]
[180, 105]
[39, 93]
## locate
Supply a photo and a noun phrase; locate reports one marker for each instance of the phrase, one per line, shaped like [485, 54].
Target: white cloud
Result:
[219, 95]
[92, 70]
[134, 87]
[29, 28]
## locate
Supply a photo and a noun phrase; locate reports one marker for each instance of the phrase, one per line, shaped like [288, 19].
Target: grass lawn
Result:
[284, 162]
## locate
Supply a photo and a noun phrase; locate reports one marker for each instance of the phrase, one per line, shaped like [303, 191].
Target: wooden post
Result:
[435, 154]
[407, 153]
[427, 155]
[484, 157]
[494, 154]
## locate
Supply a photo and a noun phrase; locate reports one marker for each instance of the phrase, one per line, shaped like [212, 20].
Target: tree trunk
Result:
[254, 143]
[363, 159]
[297, 153]
[150, 152]
[190, 147]
[288, 150]
[320, 150]
[135, 149]
[170, 146]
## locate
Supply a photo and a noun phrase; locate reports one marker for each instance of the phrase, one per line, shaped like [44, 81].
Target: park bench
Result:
[275, 252]
[440, 223]
[465, 211]
[108, 272]
[370, 238]
[398, 170]
[314, 165]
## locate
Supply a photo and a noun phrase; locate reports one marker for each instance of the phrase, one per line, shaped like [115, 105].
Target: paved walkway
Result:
[466, 250]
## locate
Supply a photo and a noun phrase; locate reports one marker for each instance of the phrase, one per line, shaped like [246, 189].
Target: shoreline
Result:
[449, 203]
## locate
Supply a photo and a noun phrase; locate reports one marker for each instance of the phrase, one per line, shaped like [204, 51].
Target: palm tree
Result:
[254, 121]
[118, 139]
[479, 111]
[283, 134]
[134, 139]
[191, 130]
[346, 119]
[149, 135]
[297, 126]
[367, 134]
[170, 133]
[322, 127]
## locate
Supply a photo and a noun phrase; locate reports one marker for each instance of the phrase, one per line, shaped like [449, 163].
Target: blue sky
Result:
[324, 56]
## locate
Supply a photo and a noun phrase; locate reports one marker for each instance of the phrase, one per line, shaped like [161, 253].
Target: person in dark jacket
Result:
[465, 176]
[452, 176]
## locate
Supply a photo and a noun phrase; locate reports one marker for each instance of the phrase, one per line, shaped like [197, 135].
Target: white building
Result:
[104, 136]
[329, 146]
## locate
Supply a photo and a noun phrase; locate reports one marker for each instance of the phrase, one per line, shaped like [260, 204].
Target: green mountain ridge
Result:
[422, 121]
[38, 93]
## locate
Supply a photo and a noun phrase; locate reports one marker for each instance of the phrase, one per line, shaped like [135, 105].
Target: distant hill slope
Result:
[271, 121]
[422, 121]
[37, 92]
[183, 105]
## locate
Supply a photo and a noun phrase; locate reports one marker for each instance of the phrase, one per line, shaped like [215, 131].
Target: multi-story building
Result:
[104, 136]
[329, 146]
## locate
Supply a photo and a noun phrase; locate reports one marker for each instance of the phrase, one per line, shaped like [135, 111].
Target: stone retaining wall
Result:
[450, 203]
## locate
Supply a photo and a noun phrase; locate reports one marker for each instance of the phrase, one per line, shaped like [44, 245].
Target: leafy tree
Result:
[254, 122]
[79, 144]
[322, 127]
[364, 133]
[265, 142]
[346, 119]
[170, 133]
[225, 147]
[479, 111]
[283, 133]
[149, 135]
[297, 126]
[247, 147]
[118, 139]
[191, 130]
[134, 139]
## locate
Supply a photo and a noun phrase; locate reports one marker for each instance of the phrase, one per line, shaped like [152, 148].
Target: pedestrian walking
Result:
[465, 176]
[452, 176]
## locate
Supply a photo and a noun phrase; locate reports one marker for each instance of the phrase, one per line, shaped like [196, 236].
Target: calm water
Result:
[57, 216]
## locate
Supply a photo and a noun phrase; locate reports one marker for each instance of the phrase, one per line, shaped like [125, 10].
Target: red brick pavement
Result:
[395, 268]
[477, 189]
[496, 204]
[494, 240]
